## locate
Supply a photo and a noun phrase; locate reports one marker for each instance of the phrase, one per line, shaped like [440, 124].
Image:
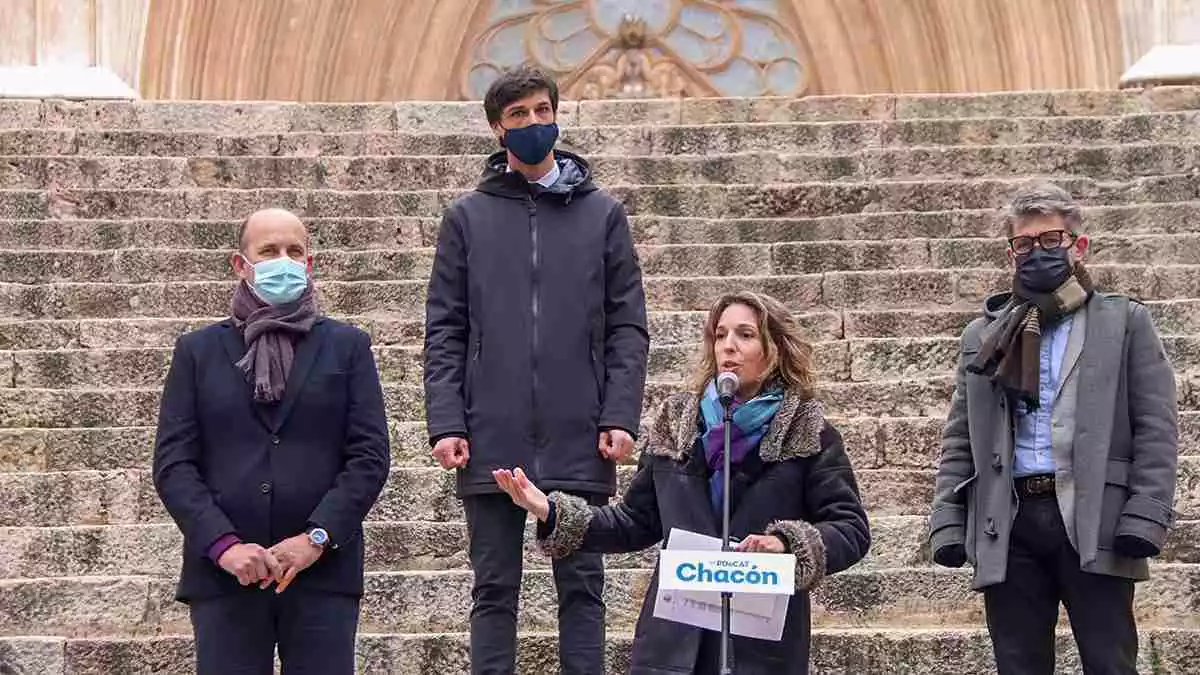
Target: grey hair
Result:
[1043, 199]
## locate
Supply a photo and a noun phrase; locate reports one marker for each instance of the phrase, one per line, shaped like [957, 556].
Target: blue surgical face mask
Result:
[533, 143]
[279, 281]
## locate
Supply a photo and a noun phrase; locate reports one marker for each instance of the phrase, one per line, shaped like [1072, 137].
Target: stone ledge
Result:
[64, 264]
[1168, 218]
[701, 200]
[954, 289]
[73, 408]
[1175, 318]
[873, 443]
[722, 136]
[382, 173]
[846, 360]
[128, 497]
[950, 651]
[272, 117]
[897, 542]
[440, 602]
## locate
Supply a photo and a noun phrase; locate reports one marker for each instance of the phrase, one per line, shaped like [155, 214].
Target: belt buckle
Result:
[1039, 485]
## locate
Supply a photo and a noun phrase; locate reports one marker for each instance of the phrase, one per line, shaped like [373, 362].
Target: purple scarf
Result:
[751, 420]
[270, 333]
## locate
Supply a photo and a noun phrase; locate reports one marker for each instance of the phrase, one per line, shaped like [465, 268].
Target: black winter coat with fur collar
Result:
[799, 485]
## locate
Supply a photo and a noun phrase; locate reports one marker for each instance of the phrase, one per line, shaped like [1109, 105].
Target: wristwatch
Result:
[318, 536]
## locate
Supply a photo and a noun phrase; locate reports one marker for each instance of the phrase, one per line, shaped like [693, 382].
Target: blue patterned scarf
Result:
[751, 419]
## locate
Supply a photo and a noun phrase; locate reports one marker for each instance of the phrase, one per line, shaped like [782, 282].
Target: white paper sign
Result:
[730, 572]
[756, 615]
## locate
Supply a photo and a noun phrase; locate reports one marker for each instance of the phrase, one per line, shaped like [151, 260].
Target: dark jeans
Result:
[236, 634]
[496, 529]
[1043, 569]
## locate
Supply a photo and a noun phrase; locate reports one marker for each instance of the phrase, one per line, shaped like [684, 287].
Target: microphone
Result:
[727, 384]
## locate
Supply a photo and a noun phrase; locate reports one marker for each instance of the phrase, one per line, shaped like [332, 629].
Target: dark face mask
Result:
[531, 144]
[1043, 271]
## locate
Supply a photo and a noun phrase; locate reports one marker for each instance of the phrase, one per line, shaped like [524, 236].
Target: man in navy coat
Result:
[535, 356]
[272, 446]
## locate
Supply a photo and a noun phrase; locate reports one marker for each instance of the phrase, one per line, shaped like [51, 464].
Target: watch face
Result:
[319, 536]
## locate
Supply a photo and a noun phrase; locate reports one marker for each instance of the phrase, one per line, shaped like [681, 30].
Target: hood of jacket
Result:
[574, 179]
[996, 304]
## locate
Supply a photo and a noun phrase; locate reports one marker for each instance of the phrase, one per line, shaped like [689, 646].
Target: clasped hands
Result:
[454, 452]
[252, 563]
[527, 496]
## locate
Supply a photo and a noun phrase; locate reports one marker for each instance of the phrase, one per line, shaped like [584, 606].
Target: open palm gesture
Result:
[524, 493]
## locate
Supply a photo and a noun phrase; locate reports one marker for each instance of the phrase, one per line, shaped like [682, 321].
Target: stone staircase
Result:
[876, 217]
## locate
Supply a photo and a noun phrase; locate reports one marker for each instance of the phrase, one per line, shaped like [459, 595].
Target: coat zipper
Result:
[535, 260]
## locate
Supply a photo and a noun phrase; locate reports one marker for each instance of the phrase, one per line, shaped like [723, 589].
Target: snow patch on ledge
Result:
[68, 82]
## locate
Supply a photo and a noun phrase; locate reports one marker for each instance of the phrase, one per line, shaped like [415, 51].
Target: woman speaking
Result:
[792, 489]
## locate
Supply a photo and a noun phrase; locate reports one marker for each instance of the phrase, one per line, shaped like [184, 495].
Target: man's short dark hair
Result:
[514, 85]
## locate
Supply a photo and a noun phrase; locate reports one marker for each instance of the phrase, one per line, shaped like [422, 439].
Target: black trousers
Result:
[1043, 569]
[496, 528]
[236, 634]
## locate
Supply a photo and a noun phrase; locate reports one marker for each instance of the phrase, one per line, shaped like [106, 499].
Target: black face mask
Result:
[1043, 271]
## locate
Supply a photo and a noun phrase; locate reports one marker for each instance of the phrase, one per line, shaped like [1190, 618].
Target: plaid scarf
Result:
[270, 334]
[751, 419]
[1011, 356]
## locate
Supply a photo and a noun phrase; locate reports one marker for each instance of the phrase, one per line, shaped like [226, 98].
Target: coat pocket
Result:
[474, 357]
[599, 371]
[1112, 504]
[967, 489]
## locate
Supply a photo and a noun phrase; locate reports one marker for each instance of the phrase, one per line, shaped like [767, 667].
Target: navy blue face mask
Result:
[531, 144]
[1043, 271]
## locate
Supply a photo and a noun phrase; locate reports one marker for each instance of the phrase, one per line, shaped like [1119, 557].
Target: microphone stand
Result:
[726, 596]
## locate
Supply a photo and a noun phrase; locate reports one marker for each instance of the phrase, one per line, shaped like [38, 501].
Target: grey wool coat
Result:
[1114, 441]
[799, 485]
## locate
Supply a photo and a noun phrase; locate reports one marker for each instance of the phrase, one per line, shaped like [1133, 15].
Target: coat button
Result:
[996, 463]
[991, 529]
[265, 488]
[274, 440]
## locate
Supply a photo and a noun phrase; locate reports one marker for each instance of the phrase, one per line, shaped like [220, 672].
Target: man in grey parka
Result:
[1057, 473]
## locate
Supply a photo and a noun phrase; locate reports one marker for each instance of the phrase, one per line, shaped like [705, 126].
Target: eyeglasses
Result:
[1048, 240]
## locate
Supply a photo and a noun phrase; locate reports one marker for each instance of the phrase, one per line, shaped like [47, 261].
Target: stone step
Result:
[835, 651]
[695, 201]
[407, 232]
[714, 138]
[127, 496]
[665, 328]
[958, 289]
[412, 602]
[60, 408]
[424, 172]
[1173, 317]
[896, 443]
[243, 117]
[836, 361]
[79, 551]
[873, 443]
[143, 265]
[146, 367]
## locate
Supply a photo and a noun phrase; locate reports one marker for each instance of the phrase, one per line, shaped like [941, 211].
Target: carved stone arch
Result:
[642, 48]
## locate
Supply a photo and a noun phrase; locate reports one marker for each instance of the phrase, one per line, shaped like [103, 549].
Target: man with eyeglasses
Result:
[1057, 473]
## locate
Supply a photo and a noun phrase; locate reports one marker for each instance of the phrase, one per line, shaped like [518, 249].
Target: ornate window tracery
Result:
[642, 48]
